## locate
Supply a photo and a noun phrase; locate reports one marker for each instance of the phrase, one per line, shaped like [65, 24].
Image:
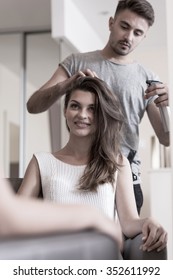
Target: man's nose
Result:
[129, 35]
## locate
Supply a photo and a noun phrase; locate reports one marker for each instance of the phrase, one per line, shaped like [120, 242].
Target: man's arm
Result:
[42, 99]
[45, 97]
[156, 122]
[161, 91]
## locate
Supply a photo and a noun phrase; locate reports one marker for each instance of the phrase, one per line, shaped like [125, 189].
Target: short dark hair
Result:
[141, 7]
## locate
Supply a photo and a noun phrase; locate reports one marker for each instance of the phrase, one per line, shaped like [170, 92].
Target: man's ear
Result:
[111, 22]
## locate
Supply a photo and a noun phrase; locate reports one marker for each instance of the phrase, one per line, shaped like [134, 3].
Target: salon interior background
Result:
[34, 36]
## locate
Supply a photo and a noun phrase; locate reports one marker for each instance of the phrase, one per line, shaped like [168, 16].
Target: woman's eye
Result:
[92, 109]
[74, 106]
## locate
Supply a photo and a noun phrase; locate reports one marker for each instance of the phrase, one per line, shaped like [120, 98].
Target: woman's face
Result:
[80, 113]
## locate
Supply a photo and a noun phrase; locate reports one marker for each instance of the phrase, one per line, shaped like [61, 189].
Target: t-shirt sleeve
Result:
[68, 65]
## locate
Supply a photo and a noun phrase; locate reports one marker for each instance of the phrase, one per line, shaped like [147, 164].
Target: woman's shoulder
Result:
[42, 157]
[41, 154]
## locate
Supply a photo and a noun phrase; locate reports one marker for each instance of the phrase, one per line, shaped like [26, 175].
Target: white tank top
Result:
[60, 180]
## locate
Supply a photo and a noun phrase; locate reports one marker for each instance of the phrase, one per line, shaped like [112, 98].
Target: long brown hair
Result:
[105, 148]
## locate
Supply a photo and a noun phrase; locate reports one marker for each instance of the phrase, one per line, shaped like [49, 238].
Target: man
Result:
[125, 77]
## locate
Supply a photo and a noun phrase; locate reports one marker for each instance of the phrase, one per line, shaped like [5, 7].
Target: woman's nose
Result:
[82, 113]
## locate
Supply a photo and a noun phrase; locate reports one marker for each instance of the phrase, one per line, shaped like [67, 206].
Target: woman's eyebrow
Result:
[72, 100]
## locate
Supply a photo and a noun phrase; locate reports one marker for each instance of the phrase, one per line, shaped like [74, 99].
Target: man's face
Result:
[127, 30]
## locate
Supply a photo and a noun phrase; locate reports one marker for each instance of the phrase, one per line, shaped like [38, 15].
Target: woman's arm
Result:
[154, 235]
[31, 183]
[125, 200]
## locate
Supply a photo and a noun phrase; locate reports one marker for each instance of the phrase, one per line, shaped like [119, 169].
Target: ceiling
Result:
[29, 15]
[26, 15]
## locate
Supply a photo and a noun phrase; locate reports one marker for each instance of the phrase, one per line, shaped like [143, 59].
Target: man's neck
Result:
[108, 54]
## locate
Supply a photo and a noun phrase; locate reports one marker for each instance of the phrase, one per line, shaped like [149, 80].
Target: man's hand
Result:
[160, 90]
[88, 72]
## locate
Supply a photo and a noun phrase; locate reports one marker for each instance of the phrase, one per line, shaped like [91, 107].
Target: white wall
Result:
[70, 24]
[169, 7]
[42, 59]
[9, 96]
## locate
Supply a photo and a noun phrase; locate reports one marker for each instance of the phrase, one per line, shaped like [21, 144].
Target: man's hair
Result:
[105, 149]
[140, 7]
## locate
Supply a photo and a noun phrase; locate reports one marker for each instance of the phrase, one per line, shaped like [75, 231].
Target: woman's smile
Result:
[80, 113]
[81, 124]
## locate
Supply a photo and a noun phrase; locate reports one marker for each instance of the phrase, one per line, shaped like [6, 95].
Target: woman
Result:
[90, 168]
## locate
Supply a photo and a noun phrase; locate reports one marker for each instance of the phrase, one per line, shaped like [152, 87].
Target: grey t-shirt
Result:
[128, 82]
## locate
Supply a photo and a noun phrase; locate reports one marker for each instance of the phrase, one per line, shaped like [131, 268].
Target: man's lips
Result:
[125, 44]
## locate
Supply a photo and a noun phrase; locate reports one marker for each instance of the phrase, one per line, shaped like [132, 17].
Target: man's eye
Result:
[124, 27]
[138, 33]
